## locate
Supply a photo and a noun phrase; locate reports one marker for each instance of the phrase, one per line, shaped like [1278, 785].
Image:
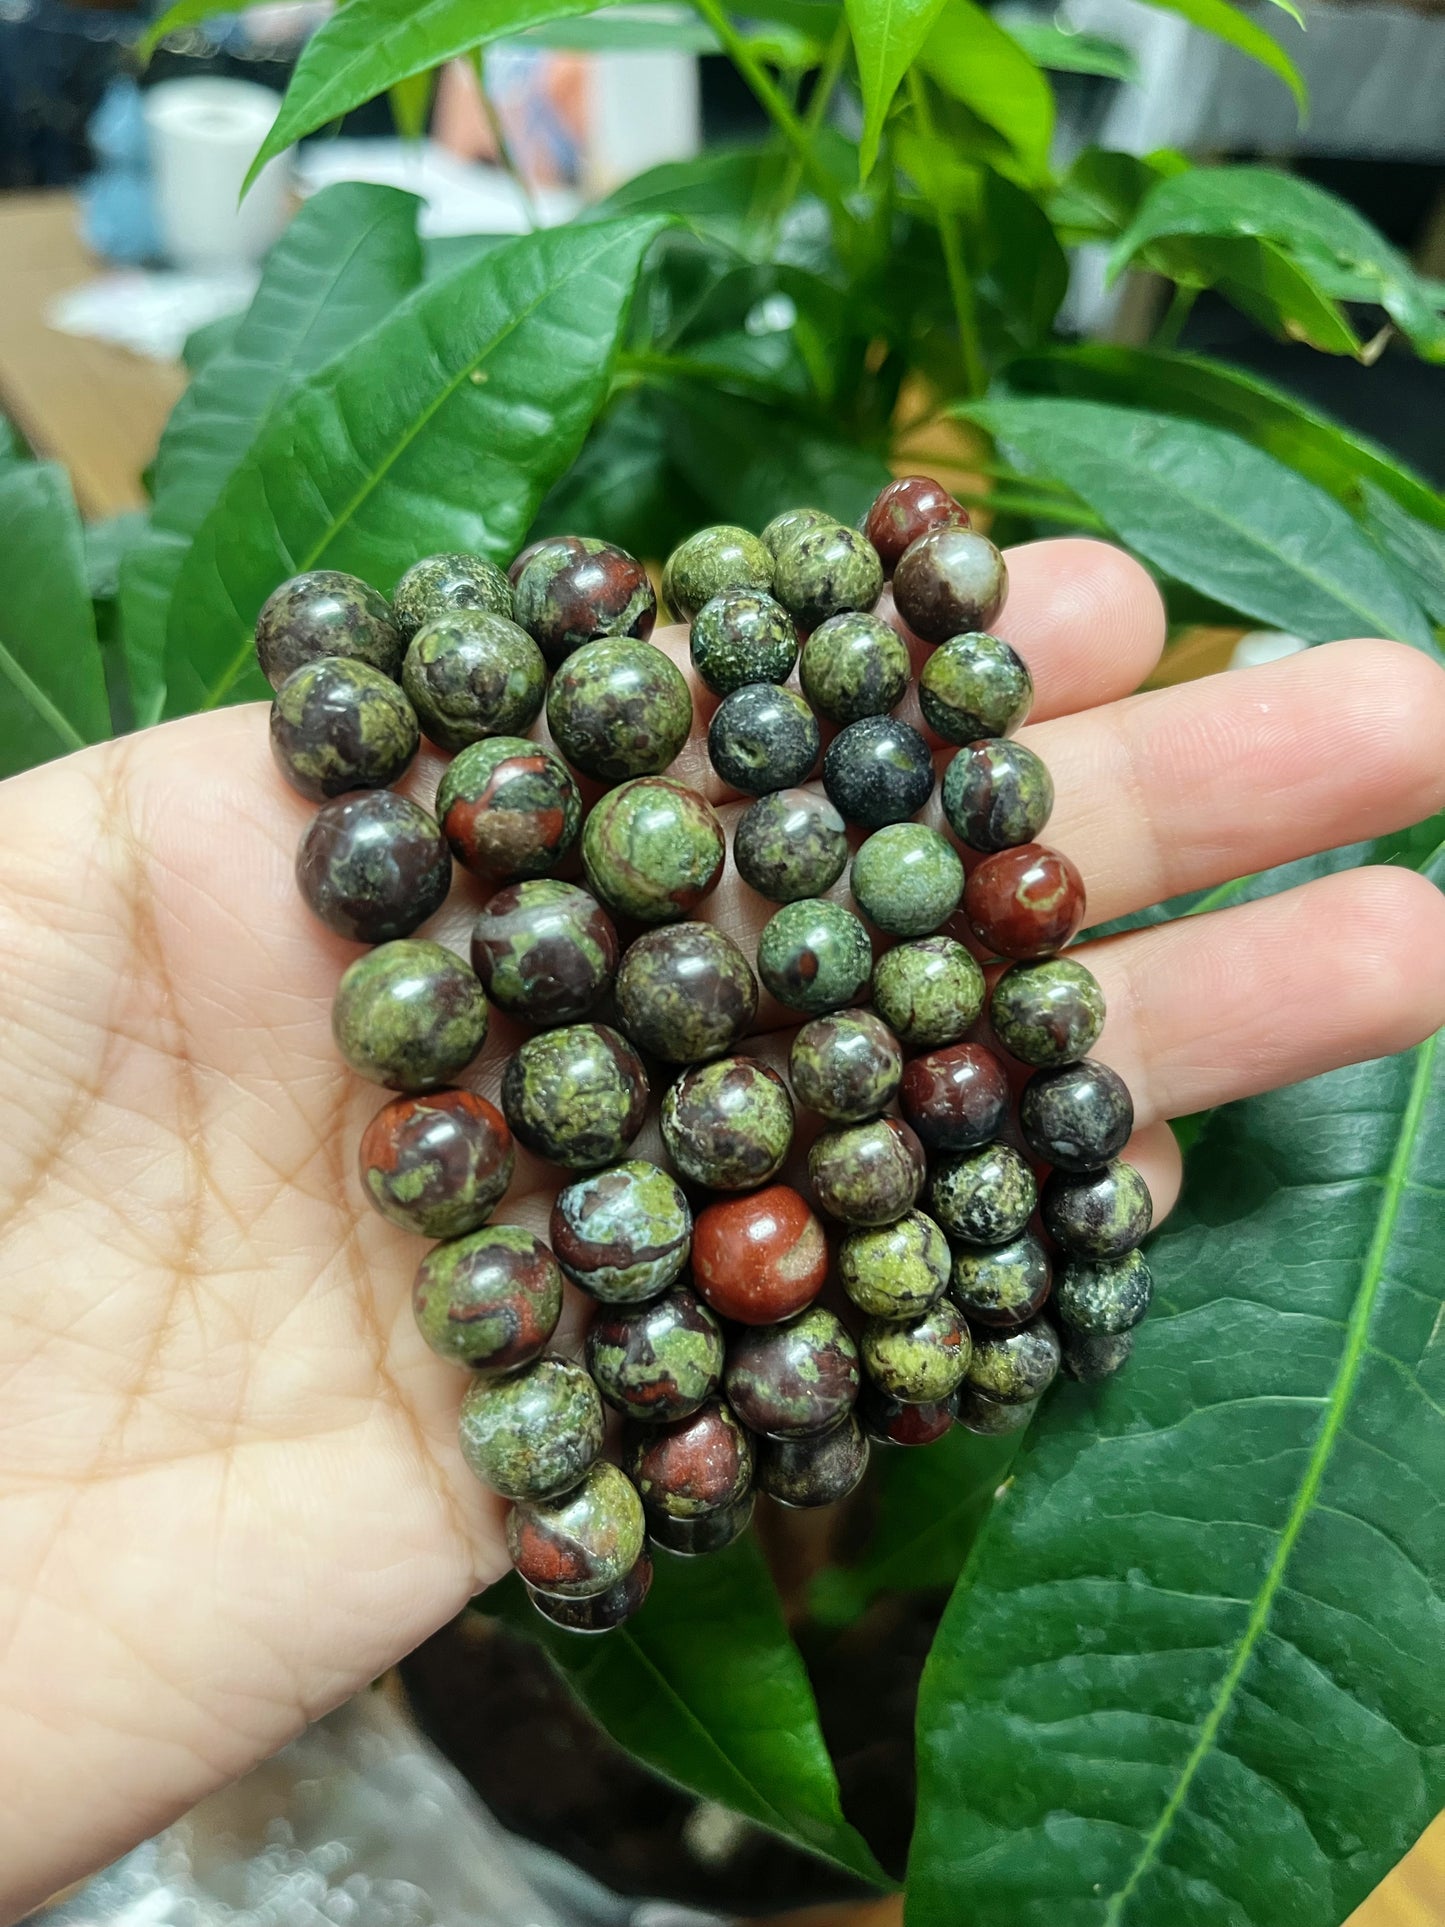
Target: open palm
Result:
[229, 1487]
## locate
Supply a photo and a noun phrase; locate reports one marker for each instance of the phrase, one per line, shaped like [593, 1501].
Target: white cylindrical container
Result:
[204, 132]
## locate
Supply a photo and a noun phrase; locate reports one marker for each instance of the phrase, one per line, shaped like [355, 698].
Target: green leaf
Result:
[1237, 29]
[1416, 548]
[887, 36]
[749, 462]
[623, 487]
[1020, 271]
[1067, 51]
[347, 258]
[1103, 188]
[440, 429]
[52, 682]
[1207, 509]
[717, 192]
[972, 58]
[1264, 283]
[411, 104]
[706, 1687]
[643, 30]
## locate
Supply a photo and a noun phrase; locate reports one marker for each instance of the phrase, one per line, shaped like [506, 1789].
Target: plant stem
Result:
[504, 147]
[1181, 304]
[828, 77]
[950, 234]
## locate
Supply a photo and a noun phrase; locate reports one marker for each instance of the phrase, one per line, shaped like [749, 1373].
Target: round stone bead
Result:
[338, 725]
[326, 613]
[949, 582]
[715, 559]
[824, 570]
[1026, 902]
[904, 510]
[576, 1095]
[845, 1066]
[692, 1466]
[742, 636]
[438, 584]
[657, 1362]
[1105, 1297]
[1003, 1286]
[652, 850]
[618, 709]
[878, 771]
[987, 1417]
[533, 1432]
[600, 1612]
[544, 950]
[1015, 1367]
[814, 1471]
[854, 665]
[1091, 1357]
[793, 1379]
[974, 686]
[997, 794]
[1047, 1013]
[622, 1234]
[489, 1300]
[890, 1421]
[907, 879]
[709, 1532]
[1077, 1116]
[759, 1258]
[373, 866]
[728, 1126]
[567, 545]
[814, 955]
[955, 1098]
[866, 1173]
[409, 1015]
[763, 738]
[895, 1271]
[790, 845]
[919, 1360]
[473, 674]
[983, 1197]
[581, 1543]
[1097, 1214]
[793, 522]
[686, 992]
[570, 594]
[437, 1164]
[509, 808]
[929, 992]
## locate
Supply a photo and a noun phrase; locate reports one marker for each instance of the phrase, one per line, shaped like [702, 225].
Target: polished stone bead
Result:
[1004, 1285]
[760, 1257]
[571, 593]
[793, 1379]
[622, 1234]
[545, 950]
[854, 665]
[373, 867]
[814, 955]
[824, 570]
[692, 1466]
[919, 1360]
[974, 686]
[878, 771]
[437, 1164]
[904, 510]
[955, 1098]
[988, 1417]
[709, 1532]
[929, 992]
[742, 636]
[949, 582]
[728, 1125]
[996, 795]
[1091, 1357]
[618, 709]
[652, 850]
[1026, 902]
[439, 584]
[763, 738]
[532, 1432]
[1106, 1296]
[793, 522]
[576, 1095]
[982, 1197]
[896, 1270]
[473, 674]
[1046, 1013]
[866, 1173]
[907, 879]
[659, 1361]
[489, 1300]
[326, 613]
[1098, 1214]
[845, 1066]
[1015, 1367]
[712, 560]
[814, 1471]
[600, 1612]
[790, 845]
[686, 993]
[583, 1542]
[409, 1015]
[567, 545]
[1076, 1116]
[510, 809]
[889, 1421]
[338, 725]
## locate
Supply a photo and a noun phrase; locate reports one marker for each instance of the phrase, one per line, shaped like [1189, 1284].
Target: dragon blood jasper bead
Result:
[907, 879]
[793, 522]
[409, 1015]
[866, 1173]
[1026, 902]
[949, 582]
[576, 1095]
[822, 571]
[599, 1612]
[1097, 1214]
[711, 561]
[692, 1466]
[1077, 1116]
[728, 1126]
[919, 1360]
[1005, 1285]
[473, 674]
[438, 584]
[878, 771]
[740, 637]
[814, 956]
[896, 1270]
[793, 1379]
[566, 545]
[573, 592]
[1091, 1357]
[509, 808]
[618, 709]
[762, 738]
[1047, 1013]
[790, 845]
[622, 1234]
[889, 1421]
[544, 950]
[904, 510]
[490, 1300]
[955, 1098]
[326, 613]
[987, 1417]
[845, 1066]
[974, 686]
[1104, 1297]
[1015, 1367]
[532, 1432]
[709, 1532]
[659, 1361]
[437, 1164]
[814, 1471]
[373, 866]
[652, 850]
[581, 1542]
[996, 795]
[759, 1258]
[929, 992]
[854, 665]
[983, 1197]
[338, 725]
[686, 992]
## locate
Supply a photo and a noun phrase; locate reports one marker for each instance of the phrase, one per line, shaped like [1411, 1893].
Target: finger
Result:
[1155, 1153]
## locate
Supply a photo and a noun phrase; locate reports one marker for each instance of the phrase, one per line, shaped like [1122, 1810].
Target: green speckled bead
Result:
[686, 992]
[575, 590]
[928, 993]
[509, 808]
[693, 1466]
[826, 569]
[987, 1417]
[712, 560]
[974, 686]
[1104, 1297]
[854, 665]
[895, 1270]
[490, 1300]
[618, 709]
[1004, 1285]
[472, 674]
[533, 1432]
[728, 1126]
[439, 584]
[918, 1360]
[1047, 1013]
[845, 1066]
[983, 1197]
[742, 636]
[794, 522]
[409, 1015]
[652, 850]
[576, 1095]
[907, 879]
[338, 725]
[326, 613]
[544, 950]
[866, 1173]
[814, 1471]
[1097, 1214]
[1091, 1357]
[790, 1380]
[1076, 1116]
[656, 1362]
[814, 956]
[790, 845]
[1015, 1367]
[583, 1542]
[599, 1612]
[622, 1234]
[996, 795]
[711, 1532]
[878, 770]
[763, 738]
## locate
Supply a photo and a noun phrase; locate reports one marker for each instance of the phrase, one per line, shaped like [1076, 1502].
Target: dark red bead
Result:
[891, 1422]
[1026, 902]
[761, 1257]
[955, 1098]
[906, 509]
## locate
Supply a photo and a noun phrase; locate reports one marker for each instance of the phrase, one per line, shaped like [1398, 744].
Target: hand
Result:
[229, 1487]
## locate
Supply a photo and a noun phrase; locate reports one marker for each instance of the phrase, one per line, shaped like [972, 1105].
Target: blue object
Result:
[118, 216]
